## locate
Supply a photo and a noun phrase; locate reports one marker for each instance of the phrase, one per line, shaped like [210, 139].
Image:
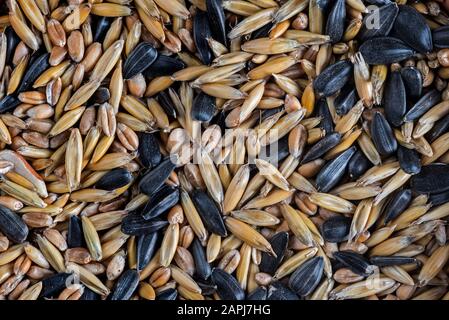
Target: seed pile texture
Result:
[224, 149]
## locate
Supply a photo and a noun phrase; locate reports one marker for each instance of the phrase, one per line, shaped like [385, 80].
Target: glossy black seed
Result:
[164, 66]
[34, 70]
[89, 295]
[210, 214]
[382, 135]
[135, 225]
[382, 261]
[102, 95]
[426, 102]
[358, 165]
[333, 171]
[145, 249]
[385, 50]
[270, 263]
[53, 285]
[217, 20]
[202, 267]
[125, 285]
[154, 179]
[169, 294]
[12, 225]
[228, 287]
[321, 147]
[12, 40]
[333, 78]
[441, 37]
[207, 287]
[262, 32]
[433, 178]
[142, 56]
[440, 127]
[395, 99]
[167, 104]
[327, 124]
[411, 27]
[336, 229]
[160, 202]
[278, 291]
[201, 32]
[439, 198]
[203, 108]
[261, 293]
[397, 204]
[75, 237]
[346, 99]
[335, 26]
[384, 16]
[114, 179]
[149, 152]
[355, 262]
[409, 160]
[307, 277]
[413, 81]
[8, 103]
[102, 26]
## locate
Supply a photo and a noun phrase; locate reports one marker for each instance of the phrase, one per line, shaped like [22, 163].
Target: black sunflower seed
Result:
[169, 294]
[333, 78]
[417, 34]
[327, 124]
[160, 202]
[167, 104]
[333, 171]
[262, 32]
[145, 249]
[54, 284]
[125, 285]
[34, 70]
[202, 267]
[382, 261]
[12, 225]
[385, 50]
[207, 287]
[322, 146]
[358, 165]
[278, 291]
[335, 26]
[114, 179]
[413, 81]
[382, 135]
[409, 160]
[397, 204]
[135, 225]
[395, 99]
[346, 99]
[154, 179]
[355, 262]
[439, 198]
[142, 56]
[217, 20]
[102, 26]
[202, 32]
[426, 102]
[228, 287]
[440, 127]
[385, 16]
[203, 108]
[164, 66]
[102, 95]
[270, 155]
[75, 237]
[441, 37]
[149, 152]
[270, 263]
[12, 40]
[8, 103]
[89, 295]
[260, 293]
[336, 229]
[433, 178]
[306, 278]
[211, 216]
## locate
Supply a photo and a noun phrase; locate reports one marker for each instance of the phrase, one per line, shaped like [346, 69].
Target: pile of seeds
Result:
[224, 149]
